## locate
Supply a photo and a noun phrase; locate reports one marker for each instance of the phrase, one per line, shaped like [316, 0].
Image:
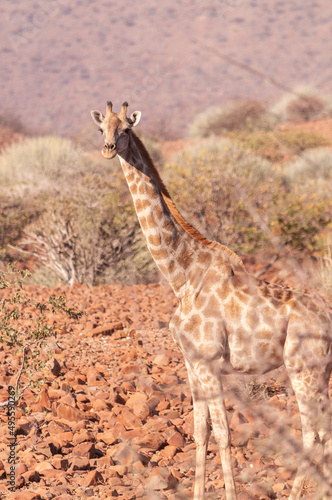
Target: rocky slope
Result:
[114, 417]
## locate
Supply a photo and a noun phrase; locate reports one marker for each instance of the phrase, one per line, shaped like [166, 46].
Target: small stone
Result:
[81, 437]
[104, 462]
[137, 397]
[44, 399]
[124, 454]
[20, 469]
[25, 495]
[169, 451]
[243, 495]
[129, 420]
[54, 366]
[161, 360]
[100, 405]
[63, 438]
[277, 487]
[160, 479]
[93, 477]
[79, 463]
[68, 399]
[69, 413]
[177, 440]
[31, 476]
[60, 463]
[237, 419]
[87, 450]
[243, 433]
[141, 410]
[41, 467]
[108, 437]
[103, 330]
[150, 440]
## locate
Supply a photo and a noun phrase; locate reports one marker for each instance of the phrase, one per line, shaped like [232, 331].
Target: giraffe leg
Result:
[201, 433]
[211, 386]
[313, 405]
[222, 435]
[325, 435]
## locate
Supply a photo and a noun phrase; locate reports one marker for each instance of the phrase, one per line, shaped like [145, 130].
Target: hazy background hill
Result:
[61, 58]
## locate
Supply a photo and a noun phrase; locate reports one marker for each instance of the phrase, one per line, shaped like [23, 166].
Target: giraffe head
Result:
[115, 128]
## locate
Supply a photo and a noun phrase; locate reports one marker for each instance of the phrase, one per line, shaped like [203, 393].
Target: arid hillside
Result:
[60, 59]
[114, 417]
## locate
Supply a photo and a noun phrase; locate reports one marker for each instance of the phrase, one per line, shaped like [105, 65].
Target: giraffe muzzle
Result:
[109, 150]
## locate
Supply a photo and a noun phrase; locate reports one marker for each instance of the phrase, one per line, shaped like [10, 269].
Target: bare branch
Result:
[18, 397]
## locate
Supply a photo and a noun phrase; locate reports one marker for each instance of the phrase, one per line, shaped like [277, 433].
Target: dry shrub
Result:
[304, 104]
[84, 227]
[312, 165]
[38, 163]
[237, 115]
[13, 122]
[304, 109]
[245, 202]
[276, 145]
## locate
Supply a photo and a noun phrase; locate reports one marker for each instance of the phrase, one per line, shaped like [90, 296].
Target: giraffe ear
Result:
[135, 118]
[97, 117]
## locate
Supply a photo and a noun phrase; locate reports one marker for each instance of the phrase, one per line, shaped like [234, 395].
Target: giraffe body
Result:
[227, 321]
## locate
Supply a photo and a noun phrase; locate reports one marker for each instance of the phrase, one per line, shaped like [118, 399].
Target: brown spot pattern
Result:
[151, 221]
[154, 239]
[224, 291]
[193, 325]
[212, 310]
[233, 309]
[252, 318]
[159, 254]
[204, 258]
[208, 329]
[185, 258]
[200, 300]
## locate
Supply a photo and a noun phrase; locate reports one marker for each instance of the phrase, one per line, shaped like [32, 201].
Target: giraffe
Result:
[227, 321]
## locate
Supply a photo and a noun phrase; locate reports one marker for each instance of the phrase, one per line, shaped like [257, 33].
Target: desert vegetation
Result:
[250, 202]
[70, 213]
[245, 185]
[112, 374]
[304, 104]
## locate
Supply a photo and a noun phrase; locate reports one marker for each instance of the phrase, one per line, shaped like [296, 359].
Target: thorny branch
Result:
[18, 396]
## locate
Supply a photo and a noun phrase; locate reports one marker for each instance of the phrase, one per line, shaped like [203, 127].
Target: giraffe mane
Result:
[189, 229]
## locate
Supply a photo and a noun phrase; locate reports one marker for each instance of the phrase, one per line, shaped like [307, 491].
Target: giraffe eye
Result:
[100, 130]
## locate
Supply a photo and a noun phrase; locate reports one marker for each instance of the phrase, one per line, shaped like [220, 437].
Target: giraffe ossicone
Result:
[227, 321]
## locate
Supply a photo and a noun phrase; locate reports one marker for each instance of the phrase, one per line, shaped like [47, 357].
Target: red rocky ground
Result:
[114, 417]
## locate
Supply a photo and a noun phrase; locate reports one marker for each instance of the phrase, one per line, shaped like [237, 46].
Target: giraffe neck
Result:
[171, 241]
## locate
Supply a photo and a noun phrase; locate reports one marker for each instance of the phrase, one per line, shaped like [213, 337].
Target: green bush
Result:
[237, 115]
[24, 334]
[304, 104]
